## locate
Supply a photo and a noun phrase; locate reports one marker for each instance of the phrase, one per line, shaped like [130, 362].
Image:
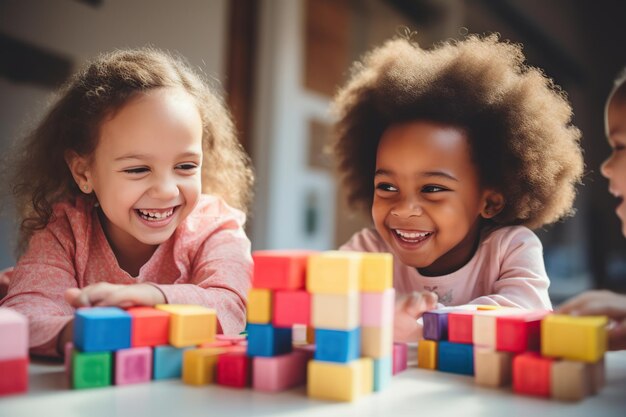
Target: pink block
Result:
[133, 365]
[377, 308]
[234, 339]
[279, 373]
[67, 362]
[14, 324]
[291, 307]
[400, 357]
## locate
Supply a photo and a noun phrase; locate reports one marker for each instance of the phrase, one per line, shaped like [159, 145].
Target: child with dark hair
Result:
[131, 191]
[459, 152]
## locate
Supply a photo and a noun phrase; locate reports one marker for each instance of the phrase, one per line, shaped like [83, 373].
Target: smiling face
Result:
[614, 168]
[145, 171]
[428, 200]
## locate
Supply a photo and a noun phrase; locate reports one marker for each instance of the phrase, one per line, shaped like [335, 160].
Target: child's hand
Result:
[105, 294]
[605, 303]
[409, 308]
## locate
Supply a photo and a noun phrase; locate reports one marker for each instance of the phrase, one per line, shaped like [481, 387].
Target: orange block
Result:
[149, 326]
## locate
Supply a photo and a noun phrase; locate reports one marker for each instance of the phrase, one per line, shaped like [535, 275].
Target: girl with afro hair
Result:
[459, 152]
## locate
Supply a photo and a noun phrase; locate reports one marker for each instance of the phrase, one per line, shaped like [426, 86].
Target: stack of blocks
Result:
[538, 352]
[112, 345]
[346, 301]
[13, 352]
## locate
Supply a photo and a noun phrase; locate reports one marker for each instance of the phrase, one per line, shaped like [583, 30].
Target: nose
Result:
[165, 187]
[408, 207]
[607, 167]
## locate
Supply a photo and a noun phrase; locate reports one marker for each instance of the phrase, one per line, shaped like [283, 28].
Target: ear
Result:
[493, 203]
[80, 168]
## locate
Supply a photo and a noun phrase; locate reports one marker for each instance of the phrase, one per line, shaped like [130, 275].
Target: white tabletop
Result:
[412, 392]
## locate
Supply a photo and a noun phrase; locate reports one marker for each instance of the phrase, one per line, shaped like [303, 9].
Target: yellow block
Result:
[487, 307]
[427, 354]
[259, 306]
[340, 381]
[335, 311]
[376, 272]
[333, 272]
[575, 338]
[199, 365]
[376, 342]
[190, 325]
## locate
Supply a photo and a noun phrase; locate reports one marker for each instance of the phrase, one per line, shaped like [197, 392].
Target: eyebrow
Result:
[427, 174]
[189, 154]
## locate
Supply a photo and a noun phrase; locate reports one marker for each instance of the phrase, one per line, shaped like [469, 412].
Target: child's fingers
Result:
[90, 295]
[617, 336]
[596, 303]
[418, 302]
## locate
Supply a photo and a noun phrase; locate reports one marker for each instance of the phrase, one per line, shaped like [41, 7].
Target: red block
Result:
[519, 334]
[460, 326]
[291, 307]
[149, 326]
[280, 270]
[531, 374]
[13, 376]
[233, 370]
[400, 357]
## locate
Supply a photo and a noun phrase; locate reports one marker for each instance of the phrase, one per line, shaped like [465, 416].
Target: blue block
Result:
[383, 371]
[457, 358]
[267, 340]
[435, 324]
[167, 361]
[337, 345]
[101, 329]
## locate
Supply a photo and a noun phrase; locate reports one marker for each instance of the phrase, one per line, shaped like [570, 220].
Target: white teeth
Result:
[412, 235]
[155, 215]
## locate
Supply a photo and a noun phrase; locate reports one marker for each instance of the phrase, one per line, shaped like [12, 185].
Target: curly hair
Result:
[517, 120]
[40, 175]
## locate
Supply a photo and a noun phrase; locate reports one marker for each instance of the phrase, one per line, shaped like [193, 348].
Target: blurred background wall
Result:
[279, 62]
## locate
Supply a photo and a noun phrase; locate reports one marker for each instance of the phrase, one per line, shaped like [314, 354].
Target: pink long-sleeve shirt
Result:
[206, 261]
[507, 270]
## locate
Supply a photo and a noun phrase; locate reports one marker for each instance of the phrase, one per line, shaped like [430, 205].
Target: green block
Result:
[91, 370]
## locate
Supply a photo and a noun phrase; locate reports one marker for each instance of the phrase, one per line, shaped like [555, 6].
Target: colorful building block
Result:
[519, 333]
[280, 270]
[13, 376]
[435, 324]
[427, 354]
[101, 329]
[376, 272]
[260, 306]
[16, 325]
[266, 340]
[199, 365]
[190, 324]
[400, 357]
[149, 326]
[377, 308]
[133, 365]
[570, 380]
[279, 373]
[291, 307]
[338, 381]
[461, 326]
[335, 311]
[484, 328]
[337, 345]
[574, 338]
[233, 370]
[532, 374]
[168, 362]
[334, 272]
[382, 372]
[492, 368]
[91, 369]
[376, 342]
[457, 358]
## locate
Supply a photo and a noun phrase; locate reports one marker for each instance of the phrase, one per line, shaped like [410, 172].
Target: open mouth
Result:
[411, 236]
[155, 215]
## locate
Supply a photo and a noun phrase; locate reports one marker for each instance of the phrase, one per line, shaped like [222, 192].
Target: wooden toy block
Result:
[299, 334]
[492, 368]
[598, 376]
[235, 339]
[382, 373]
[291, 307]
[336, 381]
[333, 272]
[91, 369]
[133, 365]
[14, 324]
[199, 365]
[400, 357]
[457, 358]
[100, 329]
[367, 375]
[427, 354]
[519, 333]
[460, 326]
[435, 324]
[335, 311]
[266, 340]
[337, 345]
[377, 308]
[570, 381]
[279, 373]
[484, 325]
[190, 324]
[310, 335]
[233, 370]
[376, 272]
[168, 362]
[531, 374]
[280, 270]
[260, 306]
[574, 338]
[376, 342]
[149, 326]
[13, 376]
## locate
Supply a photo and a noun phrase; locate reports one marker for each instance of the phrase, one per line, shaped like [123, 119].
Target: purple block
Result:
[133, 365]
[400, 357]
[436, 324]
